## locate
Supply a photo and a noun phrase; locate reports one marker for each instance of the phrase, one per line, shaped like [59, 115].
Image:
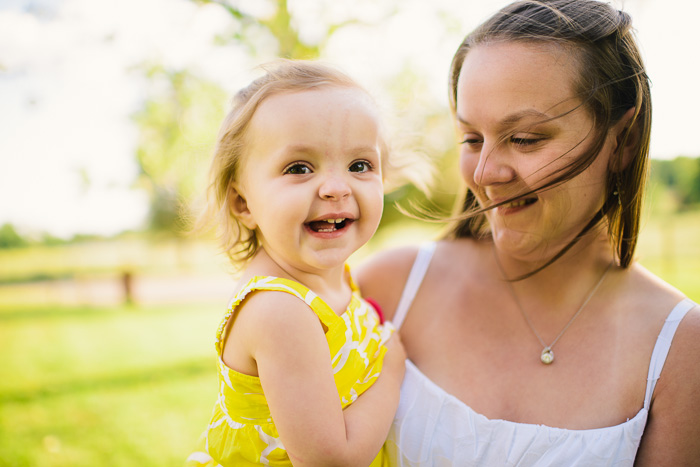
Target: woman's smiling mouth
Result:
[512, 206]
[518, 203]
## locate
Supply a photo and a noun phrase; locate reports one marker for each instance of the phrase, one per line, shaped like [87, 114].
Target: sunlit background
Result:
[108, 113]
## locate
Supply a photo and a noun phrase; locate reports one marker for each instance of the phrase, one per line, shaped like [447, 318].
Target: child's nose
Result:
[334, 187]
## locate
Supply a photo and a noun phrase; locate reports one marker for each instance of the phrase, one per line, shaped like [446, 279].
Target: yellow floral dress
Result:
[241, 431]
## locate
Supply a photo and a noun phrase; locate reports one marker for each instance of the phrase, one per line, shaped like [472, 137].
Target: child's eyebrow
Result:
[300, 148]
[308, 149]
[366, 149]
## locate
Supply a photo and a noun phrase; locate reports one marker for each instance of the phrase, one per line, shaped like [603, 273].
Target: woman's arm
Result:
[287, 342]
[672, 434]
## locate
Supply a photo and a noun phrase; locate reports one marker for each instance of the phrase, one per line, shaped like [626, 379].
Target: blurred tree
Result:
[694, 194]
[50, 240]
[9, 238]
[426, 135]
[681, 176]
[279, 24]
[177, 128]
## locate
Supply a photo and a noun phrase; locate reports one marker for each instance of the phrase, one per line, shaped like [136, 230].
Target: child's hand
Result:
[395, 358]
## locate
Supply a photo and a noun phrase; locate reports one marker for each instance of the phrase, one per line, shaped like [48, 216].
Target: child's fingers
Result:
[395, 342]
[395, 350]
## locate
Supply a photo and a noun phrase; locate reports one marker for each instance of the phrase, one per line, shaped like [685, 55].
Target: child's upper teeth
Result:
[516, 204]
[335, 221]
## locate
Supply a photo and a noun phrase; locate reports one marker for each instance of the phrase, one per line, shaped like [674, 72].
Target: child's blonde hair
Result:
[237, 241]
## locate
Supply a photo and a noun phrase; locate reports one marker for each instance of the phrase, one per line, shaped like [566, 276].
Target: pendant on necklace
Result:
[547, 356]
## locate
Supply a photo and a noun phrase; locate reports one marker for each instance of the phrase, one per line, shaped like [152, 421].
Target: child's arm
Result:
[287, 342]
[375, 408]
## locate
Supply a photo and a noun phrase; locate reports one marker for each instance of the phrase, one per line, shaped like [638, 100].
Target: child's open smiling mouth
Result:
[330, 225]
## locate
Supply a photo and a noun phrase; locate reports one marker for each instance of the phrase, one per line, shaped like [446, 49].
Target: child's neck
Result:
[332, 285]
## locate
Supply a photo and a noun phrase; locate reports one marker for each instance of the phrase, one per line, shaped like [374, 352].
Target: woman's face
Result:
[520, 123]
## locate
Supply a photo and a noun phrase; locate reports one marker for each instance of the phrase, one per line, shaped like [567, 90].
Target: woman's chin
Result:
[517, 244]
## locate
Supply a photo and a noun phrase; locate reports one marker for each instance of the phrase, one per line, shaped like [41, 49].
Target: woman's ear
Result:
[239, 207]
[627, 134]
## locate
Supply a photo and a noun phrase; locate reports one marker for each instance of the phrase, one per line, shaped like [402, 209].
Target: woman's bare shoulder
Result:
[382, 277]
[672, 433]
[655, 297]
[650, 292]
[392, 260]
[643, 274]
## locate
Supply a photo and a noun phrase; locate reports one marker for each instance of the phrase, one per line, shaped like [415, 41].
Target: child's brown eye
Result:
[297, 169]
[360, 166]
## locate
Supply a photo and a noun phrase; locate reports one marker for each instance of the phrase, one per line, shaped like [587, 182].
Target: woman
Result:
[532, 336]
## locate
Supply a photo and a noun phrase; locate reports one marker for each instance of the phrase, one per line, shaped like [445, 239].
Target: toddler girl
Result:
[297, 188]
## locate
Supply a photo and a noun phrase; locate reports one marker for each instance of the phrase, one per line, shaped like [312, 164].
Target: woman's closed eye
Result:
[471, 140]
[297, 168]
[526, 141]
[521, 141]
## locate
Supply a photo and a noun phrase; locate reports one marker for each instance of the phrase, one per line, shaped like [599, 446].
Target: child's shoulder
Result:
[268, 323]
[271, 297]
[268, 307]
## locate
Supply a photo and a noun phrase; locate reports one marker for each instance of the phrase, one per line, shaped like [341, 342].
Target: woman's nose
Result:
[334, 187]
[493, 167]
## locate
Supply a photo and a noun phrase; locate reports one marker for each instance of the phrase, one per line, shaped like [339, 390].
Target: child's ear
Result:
[627, 134]
[239, 207]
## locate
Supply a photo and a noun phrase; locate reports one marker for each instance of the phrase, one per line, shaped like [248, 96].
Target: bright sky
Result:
[68, 85]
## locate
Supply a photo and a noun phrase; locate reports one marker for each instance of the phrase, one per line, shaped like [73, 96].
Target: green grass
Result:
[108, 387]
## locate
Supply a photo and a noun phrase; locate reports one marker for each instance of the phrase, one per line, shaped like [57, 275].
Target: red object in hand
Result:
[377, 308]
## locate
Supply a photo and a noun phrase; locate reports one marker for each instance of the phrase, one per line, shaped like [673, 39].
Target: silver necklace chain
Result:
[547, 355]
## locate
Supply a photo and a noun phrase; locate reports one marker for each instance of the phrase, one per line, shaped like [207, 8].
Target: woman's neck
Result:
[564, 282]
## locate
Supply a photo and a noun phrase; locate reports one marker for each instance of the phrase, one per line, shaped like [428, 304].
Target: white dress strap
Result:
[415, 278]
[663, 345]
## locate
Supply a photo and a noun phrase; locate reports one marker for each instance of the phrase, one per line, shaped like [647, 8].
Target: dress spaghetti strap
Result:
[415, 278]
[663, 345]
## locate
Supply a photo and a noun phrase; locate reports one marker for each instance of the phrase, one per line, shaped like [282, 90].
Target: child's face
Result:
[313, 156]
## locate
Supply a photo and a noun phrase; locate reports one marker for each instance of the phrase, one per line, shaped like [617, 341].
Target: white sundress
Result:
[434, 428]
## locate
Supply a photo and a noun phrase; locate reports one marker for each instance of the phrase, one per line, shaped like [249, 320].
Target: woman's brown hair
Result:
[611, 79]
